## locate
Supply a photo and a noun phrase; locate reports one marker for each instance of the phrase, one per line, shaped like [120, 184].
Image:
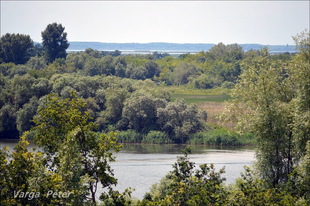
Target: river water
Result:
[139, 166]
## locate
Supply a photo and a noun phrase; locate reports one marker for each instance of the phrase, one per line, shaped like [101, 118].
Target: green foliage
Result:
[15, 48]
[16, 169]
[153, 137]
[37, 63]
[250, 190]
[298, 185]
[222, 137]
[300, 73]
[129, 136]
[205, 82]
[54, 41]
[178, 120]
[262, 96]
[8, 122]
[25, 115]
[115, 198]
[114, 104]
[228, 85]
[271, 100]
[19, 70]
[156, 137]
[63, 123]
[6, 67]
[140, 112]
[184, 186]
[183, 72]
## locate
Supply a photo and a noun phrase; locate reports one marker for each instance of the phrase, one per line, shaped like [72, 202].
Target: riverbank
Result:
[219, 137]
[216, 137]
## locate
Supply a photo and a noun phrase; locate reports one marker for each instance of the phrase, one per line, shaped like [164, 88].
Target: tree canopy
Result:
[54, 41]
[16, 48]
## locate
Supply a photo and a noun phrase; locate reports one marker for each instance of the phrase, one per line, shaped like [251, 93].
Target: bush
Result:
[156, 137]
[228, 85]
[221, 137]
[129, 136]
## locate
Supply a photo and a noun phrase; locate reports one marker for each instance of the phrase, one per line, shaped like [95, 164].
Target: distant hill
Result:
[161, 46]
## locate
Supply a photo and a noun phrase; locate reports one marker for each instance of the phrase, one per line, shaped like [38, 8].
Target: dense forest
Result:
[124, 93]
[79, 107]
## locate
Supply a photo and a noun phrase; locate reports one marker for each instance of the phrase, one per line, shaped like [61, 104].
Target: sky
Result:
[242, 22]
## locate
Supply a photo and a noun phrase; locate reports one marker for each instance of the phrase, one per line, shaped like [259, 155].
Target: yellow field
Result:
[214, 109]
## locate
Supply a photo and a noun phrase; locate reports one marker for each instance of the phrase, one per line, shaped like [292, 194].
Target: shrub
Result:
[156, 137]
[221, 137]
[129, 136]
[228, 85]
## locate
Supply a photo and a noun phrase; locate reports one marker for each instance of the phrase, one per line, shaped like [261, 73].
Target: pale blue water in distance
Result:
[139, 165]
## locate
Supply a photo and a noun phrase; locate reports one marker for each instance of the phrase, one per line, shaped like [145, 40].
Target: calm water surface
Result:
[140, 166]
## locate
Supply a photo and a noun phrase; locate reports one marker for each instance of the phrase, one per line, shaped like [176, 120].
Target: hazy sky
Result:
[263, 22]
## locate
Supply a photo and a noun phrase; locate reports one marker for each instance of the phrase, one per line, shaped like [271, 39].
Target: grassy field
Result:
[200, 98]
[210, 100]
[183, 90]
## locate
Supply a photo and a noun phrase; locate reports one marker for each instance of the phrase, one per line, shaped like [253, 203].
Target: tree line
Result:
[219, 66]
[105, 79]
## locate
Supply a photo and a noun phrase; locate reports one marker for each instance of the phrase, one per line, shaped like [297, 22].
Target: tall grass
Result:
[129, 136]
[221, 137]
[214, 110]
[153, 137]
[215, 137]
[188, 98]
[156, 137]
[185, 90]
[210, 100]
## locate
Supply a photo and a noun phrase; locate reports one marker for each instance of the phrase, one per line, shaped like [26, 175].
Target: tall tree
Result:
[262, 105]
[63, 123]
[271, 100]
[54, 41]
[16, 48]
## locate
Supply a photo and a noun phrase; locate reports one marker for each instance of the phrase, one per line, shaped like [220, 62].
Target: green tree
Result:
[140, 112]
[298, 185]
[271, 100]
[300, 73]
[16, 48]
[178, 120]
[114, 104]
[183, 72]
[26, 114]
[120, 70]
[16, 169]
[217, 51]
[54, 41]
[61, 119]
[250, 190]
[152, 69]
[185, 186]
[262, 105]
[8, 117]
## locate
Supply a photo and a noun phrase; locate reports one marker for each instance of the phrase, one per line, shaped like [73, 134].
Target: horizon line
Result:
[171, 43]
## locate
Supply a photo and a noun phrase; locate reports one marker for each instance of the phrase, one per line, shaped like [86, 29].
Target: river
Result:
[139, 166]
